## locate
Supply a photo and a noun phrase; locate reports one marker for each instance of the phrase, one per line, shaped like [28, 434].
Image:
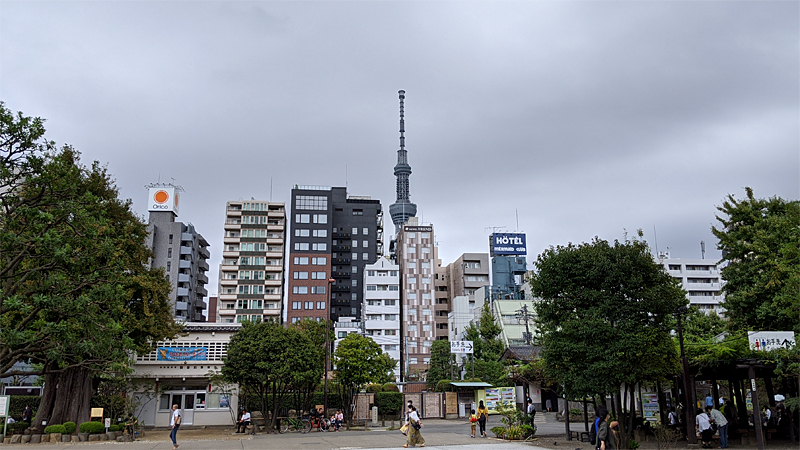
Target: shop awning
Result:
[475, 384]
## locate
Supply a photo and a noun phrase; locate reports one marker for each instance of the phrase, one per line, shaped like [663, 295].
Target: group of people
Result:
[709, 419]
[478, 417]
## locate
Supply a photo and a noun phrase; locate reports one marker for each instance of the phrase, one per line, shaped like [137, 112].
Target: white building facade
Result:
[381, 310]
[700, 278]
[251, 274]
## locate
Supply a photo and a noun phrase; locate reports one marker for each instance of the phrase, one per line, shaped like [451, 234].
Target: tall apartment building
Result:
[700, 278]
[251, 273]
[417, 258]
[463, 277]
[180, 250]
[381, 316]
[334, 236]
[441, 298]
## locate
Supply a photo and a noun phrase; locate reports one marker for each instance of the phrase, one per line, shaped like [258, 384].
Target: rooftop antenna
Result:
[270, 189]
[516, 213]
[655, 237]
[702, 249]
[345, 177]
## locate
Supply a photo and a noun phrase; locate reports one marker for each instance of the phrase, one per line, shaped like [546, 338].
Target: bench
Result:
[585, 436]
[574, 435]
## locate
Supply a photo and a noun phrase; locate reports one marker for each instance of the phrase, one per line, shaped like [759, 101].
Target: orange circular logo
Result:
[161, 196]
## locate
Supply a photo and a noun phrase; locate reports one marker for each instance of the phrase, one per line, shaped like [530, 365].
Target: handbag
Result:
[416, 425]
[178, 420]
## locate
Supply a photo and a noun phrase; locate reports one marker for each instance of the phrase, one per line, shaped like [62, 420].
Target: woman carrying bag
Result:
[483, 416]
[414, 425]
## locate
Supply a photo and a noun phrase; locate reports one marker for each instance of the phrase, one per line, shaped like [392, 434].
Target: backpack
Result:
[593, 434]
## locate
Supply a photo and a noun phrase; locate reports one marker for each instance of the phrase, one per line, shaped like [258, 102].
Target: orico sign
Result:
[163, 199]
[508, 244]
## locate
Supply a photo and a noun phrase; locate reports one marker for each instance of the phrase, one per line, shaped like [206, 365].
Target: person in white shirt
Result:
[244, 421]
[722, 425]
[175, 423]
[704, 427]
[414, 436]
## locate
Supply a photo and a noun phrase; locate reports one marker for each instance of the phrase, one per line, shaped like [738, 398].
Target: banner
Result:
[650, 406]
[507, 244]
[182, 353]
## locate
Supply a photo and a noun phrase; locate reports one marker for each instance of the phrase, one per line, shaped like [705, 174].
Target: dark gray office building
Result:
[181, 251]
[333, 236]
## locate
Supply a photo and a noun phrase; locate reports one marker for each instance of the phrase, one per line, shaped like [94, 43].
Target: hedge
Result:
[443, 386]
[92, 427]
[389, 403]
[18, 403]
[71, 427]
[374, 388]
[114, 428]
[55, 429]
[390, 387]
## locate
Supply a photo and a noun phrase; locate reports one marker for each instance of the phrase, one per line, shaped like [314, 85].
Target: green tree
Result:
[76, 295]
[760, 240]
[267, 358]
[442, 364]
[604, 318]
[358, 360]
[487, 349]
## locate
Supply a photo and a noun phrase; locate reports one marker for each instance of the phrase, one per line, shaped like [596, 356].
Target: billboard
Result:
[507, 244]
[770, 340]
[163, 198]
[182, 353]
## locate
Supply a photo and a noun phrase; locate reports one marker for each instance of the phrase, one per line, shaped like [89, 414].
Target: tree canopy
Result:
[359, 360]
[441, 366]
[487, 348]
[760, 241]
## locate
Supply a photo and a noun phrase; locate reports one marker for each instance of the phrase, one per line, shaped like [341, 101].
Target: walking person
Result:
[27, 415]
[606, 438]
[531, 411]
[414, 426]
[722, 425]
[483, 416]
[704, 427]
[549, 405]
[175, 423]
[473, 422]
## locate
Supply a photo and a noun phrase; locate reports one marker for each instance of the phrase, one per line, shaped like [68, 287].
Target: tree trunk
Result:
[66, 398]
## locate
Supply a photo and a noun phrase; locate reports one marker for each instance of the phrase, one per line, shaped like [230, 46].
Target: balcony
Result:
[341, 235]
[341, 248]
[186, 250]
[184, 278]
[340, 275]
[181, 306]
[184, 264]
[187, 237]
[341, 288]
[340, 261]
[203, 265]
[182, 292]
[340, 302]
[202, 279]
[203, 251]
[201, 291]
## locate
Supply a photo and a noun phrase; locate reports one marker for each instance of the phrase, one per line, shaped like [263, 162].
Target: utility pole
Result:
[523, 315]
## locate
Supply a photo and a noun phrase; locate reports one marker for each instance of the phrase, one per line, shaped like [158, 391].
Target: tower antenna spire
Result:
[402, 209]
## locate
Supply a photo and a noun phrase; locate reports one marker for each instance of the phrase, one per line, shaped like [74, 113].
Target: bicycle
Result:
[320, 424]
[289, 423]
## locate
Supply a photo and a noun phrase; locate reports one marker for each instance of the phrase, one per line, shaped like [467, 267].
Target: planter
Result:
[76, 438]
[66, 438]
[45, 438]
[26, 438]
[83, 437]
[111, 435]
[94, 437]
[55, 437]
[36, 438]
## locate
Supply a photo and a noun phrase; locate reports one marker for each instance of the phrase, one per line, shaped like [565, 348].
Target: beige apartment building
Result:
[251, 273]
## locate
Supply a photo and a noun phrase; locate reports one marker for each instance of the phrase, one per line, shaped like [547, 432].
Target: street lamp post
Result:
[327, 345]
[691, 433]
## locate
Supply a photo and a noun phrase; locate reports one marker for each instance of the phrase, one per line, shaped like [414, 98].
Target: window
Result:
[411, 295]
[371, 273]
[169, 252]
[318, 276]
[411, 249]
[373, 317]
[426, 265]
[425, 235]
[302, 218]
[412, 235]
[301, 260]
[394, 287]
[169, 266]
[320, 305]
[426, 343]
[318, 289]
[389, 302]
[426, 295]
[300, 275]
[426, 312]
[412, 328]
[426, 250]
[301, 232]
[374, 302]
[355, 243]
[353, 296]
[365, 231]
[312, 202]
[472, 265]
[365, 244]
[296, 319]
[354, 282]
[170, 239]
[301, 290]
[358, 212]
[355, 231]
[412, 360]
[320, 218]
[426, 360]
[355, 256]
[301, 245]
[426, 327]
[411, 265]
[354, 269]
[412, 344]
[426, 280]
[365, 256]
[390, 316]
[320, 246]
[319, 261]
[412, 280]
[390, 348]
[342, 334]
[390, 332]
[320, 233]
[372, 287]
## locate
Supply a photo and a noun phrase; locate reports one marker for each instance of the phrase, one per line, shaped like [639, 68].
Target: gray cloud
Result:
[582, 118]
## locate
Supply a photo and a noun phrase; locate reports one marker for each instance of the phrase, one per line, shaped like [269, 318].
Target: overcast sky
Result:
[583, 118]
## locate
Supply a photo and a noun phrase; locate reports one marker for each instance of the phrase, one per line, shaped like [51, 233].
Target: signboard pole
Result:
[5, 403]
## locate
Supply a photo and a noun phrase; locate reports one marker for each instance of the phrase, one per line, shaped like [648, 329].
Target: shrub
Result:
[374, 388]
[114, 428]
[17, 404]
[442, 386]
[389, 403]
[499, 432]
[55, 429]
[92, 427]
[16, 427]
[575, 412]
[390, 387]
[71, 427]
[633, 445]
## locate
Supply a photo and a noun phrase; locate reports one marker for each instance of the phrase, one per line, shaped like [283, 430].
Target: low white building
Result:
[177, 372]
[381, 309]
[700, 278]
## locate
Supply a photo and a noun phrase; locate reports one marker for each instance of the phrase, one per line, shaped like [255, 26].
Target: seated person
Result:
[244, 421]
[130, 423]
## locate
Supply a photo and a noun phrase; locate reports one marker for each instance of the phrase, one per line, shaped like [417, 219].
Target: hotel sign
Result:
[182, 353]
[508, 244]
[414, 228]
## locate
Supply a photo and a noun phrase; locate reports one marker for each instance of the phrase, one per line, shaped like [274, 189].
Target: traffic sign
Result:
[461, 347]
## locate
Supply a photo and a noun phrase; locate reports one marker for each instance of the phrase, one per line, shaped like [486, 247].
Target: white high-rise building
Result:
[251, 273]
[700, 278]
[381, 310]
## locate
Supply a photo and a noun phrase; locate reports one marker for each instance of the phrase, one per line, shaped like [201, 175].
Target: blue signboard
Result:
[182, 353]
[508, 244]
